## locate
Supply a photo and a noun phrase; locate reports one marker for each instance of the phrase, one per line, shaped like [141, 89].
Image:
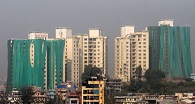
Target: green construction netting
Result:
[170, 50]
[24, 71]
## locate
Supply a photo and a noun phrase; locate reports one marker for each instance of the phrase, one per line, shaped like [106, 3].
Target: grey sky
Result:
[19, 17]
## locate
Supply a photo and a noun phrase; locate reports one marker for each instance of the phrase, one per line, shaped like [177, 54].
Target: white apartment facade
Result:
[71, 54]
[82, 50]
[72, 60]
[131, 50]
[93, 50]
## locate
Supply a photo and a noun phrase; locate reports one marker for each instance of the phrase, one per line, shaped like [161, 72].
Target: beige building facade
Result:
[82, 50]
[131, 50]
[93, 50]
[72, 60]
[71, 54]
[93, 91]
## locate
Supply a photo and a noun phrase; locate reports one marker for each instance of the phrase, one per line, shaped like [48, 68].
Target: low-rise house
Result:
[145, 98]
[167, 99]
[184, 95]
[73, 98]
[113, 85]
[130, 100]
[39, 96]
[14, 97]
[65, 90]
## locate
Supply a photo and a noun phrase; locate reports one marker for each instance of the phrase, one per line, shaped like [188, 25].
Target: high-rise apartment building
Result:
[82, 50]
[36, 62]
[170, 49]
[131, 50]
[71, 54]
[93, 50]
[72, 60]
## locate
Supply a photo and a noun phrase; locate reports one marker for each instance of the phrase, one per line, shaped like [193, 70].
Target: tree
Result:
[2, 98]
[132, 86]
[154, 75]
[153, 78]
[90, 71]
[188, 79]
[135, 85]
[139, 72]
[27, 95]
[109, 96]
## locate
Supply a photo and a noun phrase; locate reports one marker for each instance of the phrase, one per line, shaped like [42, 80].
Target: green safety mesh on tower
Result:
[55, 61]
[170, 50]
[46, 64]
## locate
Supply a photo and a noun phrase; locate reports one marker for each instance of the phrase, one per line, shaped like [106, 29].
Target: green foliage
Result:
[90, 72]
[153, 78]
[2, 98]
[188, 79]
[155, 85]
[179, 87]
[152, 84]
[109, 97]
[152, 75]
[139, 72]
[125, 87]
[27, 95]
[135, 85]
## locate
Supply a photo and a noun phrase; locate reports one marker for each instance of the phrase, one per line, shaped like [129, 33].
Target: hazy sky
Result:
[19, 17]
